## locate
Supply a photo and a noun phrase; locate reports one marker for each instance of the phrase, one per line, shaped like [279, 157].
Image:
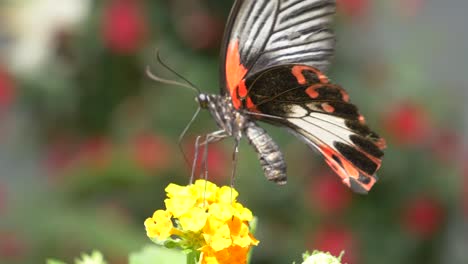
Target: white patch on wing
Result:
[295, 111]
[315, 132]
[337, 121]
[321, 140]
[313, 107]
[330, 128]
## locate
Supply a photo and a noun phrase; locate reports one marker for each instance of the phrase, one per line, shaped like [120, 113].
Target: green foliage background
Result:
[72, 181]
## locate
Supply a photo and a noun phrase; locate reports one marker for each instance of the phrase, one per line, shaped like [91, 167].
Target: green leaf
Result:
[157, 255]
[171, 244]
[192, 257]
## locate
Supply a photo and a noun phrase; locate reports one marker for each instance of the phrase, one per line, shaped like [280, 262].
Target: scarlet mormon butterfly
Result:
[273, 57]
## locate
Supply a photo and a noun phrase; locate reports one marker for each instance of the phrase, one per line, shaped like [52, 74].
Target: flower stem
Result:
[192, 257]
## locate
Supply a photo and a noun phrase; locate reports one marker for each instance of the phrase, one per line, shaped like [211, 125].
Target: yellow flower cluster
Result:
[207, 219]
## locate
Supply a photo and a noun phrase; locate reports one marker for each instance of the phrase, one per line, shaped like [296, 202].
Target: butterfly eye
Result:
[202, 100]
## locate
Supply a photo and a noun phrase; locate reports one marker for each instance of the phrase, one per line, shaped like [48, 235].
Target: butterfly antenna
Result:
[187, 84]
[154, 77]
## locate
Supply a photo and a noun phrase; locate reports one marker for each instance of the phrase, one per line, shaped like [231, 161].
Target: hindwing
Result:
[302, 99]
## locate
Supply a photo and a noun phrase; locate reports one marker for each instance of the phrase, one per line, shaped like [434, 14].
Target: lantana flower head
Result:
[204, 219]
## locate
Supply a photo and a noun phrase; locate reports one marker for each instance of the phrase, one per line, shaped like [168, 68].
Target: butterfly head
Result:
[203, 100]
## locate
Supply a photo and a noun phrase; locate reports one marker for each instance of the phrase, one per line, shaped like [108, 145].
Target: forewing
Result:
[264, 33]
[302, 99]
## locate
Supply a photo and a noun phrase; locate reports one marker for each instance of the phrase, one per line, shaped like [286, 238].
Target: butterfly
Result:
[274, 56]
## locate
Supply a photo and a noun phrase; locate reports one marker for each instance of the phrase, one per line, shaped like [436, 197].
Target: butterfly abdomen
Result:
[269, 154]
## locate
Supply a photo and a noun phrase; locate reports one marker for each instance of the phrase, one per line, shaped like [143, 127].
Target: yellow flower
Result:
[220, 239]
[159, 226]
[174, 190]
[209, 259]
[229, 255]
[194, 220]
[180, 205]
[207, 219]
[242, 213]
[223, 212]
[207, 191]
[227, 195]
[237, 254]
[212, 225]
[240, 233]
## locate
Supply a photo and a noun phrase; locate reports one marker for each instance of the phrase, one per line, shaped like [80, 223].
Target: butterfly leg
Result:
[195, 158]
[235, 155]
[216, 136]
[209, 138]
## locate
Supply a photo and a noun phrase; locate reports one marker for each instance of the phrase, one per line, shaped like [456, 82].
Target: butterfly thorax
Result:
[236, 123]
[230, 120]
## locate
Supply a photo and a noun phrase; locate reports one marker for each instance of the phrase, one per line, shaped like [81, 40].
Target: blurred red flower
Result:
[201, 30]
[151, 152]
[423, 216]
[353, 8]
[11, 246]
[7, 90]
[328, 195]
[408, 124]
[124, 26]
[335, 239]
[95, 152]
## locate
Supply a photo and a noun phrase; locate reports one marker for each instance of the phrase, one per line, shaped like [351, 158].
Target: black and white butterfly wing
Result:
[273, 57]
[264, 33]
[302, 99]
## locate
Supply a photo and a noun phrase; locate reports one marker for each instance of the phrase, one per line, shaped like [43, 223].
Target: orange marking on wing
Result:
[312, 90]
[242, 89]
[328, 108]
[346, 169]
[297, 72]
[362, 119]
[345, 96]
[251, 106]
[301, 79]
[236, 102]
[235, 71]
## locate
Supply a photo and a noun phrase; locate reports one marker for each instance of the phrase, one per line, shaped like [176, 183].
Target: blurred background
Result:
[88, 143]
